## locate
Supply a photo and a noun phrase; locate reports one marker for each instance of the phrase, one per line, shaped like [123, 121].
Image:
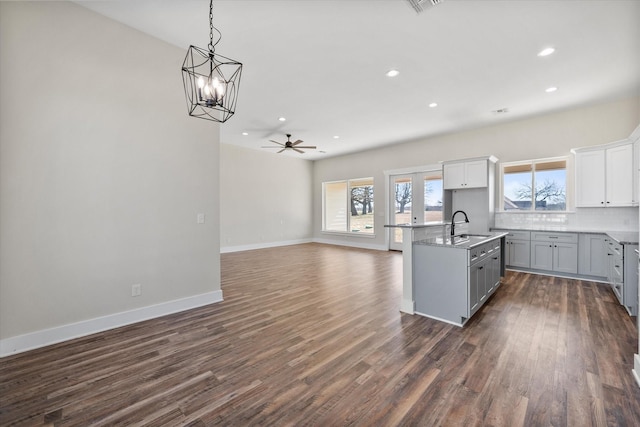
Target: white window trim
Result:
[569, 190]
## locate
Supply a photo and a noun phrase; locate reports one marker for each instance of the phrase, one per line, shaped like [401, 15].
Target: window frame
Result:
[532, 163]
[347, 206]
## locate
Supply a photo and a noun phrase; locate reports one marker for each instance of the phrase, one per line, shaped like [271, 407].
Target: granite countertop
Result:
[428, 224]
[463, 241]
[622, 237]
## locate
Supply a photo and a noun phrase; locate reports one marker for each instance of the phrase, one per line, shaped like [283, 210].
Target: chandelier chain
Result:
[211, 28]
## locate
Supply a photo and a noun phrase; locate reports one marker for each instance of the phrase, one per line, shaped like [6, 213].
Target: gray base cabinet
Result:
[554, 252]
[451, 284]
[518, 253]
[542, 256]
[517, 249]
[615, 268]
[592, 257]
[622, 273]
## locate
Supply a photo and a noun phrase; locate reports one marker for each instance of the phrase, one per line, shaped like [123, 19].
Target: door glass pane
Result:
[402, 191]
[433, 197]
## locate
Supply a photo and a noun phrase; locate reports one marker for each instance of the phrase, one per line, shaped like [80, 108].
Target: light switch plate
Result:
[136, 290]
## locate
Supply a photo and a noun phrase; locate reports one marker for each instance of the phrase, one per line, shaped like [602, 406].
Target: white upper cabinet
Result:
[468, 174]
[604, 176]
[590, 177]
[619, 168]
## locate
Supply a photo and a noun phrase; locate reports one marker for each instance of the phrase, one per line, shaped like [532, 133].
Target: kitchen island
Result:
[455, 275]
[438, 268]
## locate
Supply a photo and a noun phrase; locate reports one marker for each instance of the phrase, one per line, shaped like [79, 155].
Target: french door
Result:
[416, 198]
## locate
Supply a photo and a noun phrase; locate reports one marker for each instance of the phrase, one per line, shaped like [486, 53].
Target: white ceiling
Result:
[322, 63]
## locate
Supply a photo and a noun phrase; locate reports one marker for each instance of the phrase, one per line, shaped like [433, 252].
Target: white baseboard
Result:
[253, 246]
[439, 319]
[351, 244]
[33, 340]
[407, 306]
[636, 368]
[240, 248]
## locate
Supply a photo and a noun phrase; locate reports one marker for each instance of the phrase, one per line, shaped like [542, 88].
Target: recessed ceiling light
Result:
[433, 105]
[245, 133]
[551, 89]
[282, 119]
[392, 73]
[546, 52]
[336, 137]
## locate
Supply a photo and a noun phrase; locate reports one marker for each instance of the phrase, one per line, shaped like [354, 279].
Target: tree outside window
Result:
[548, 178]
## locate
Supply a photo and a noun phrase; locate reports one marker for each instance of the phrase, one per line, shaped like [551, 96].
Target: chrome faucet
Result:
[453, 224]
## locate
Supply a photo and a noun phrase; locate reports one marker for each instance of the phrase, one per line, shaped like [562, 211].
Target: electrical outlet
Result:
[136, 290]
[200, 218]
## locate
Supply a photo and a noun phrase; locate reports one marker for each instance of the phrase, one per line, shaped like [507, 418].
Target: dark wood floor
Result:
[311, 335]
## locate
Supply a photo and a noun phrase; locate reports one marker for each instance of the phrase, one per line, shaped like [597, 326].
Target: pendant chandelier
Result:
[211, 81]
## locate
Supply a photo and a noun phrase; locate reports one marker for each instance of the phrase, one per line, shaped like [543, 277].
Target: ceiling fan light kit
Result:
[295, 146]
[211, 81]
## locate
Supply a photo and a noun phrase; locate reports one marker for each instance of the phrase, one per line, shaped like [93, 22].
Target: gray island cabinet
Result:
[453, 280]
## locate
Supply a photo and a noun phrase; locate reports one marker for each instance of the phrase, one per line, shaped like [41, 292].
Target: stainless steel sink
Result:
[460, 241]
[466, 236]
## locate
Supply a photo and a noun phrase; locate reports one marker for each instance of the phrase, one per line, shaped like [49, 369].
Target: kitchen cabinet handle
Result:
[480, 268]
[617, 266]
[553, 237]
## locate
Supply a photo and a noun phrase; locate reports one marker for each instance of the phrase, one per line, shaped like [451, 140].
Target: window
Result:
[348, 206]
[549, 179]
[433, 196]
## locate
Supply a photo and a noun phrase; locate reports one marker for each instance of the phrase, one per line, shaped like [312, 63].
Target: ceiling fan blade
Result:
[269, 146]
[271, 140]
[281, 151]
[310, 147]
[297, 142]
[299, 151]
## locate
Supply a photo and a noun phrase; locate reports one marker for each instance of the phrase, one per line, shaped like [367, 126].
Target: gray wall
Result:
[265, 199]
[539, 137]
[102, 172]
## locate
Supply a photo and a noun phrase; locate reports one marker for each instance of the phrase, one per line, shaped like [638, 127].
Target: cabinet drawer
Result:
[481, 252]
[555, 237]
[617, 269]
[614, 247]
[518, 235]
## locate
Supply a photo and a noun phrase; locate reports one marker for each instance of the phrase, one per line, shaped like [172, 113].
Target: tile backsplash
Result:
[585, 219]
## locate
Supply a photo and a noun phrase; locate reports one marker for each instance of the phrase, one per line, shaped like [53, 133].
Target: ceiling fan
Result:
[290, 145]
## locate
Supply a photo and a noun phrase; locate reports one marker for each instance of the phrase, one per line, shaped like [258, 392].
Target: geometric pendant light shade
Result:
[211, 81]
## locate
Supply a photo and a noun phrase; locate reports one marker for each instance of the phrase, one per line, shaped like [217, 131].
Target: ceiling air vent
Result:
[422, 5]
